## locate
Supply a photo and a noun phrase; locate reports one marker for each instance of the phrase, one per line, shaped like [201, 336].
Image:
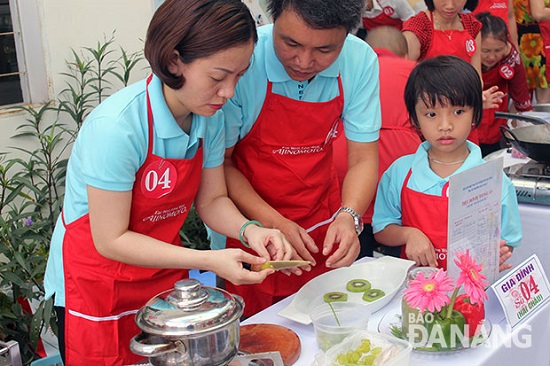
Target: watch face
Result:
[357, 219]
[359, 225]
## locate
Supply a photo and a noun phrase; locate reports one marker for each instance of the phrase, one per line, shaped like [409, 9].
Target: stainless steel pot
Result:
[189, 325]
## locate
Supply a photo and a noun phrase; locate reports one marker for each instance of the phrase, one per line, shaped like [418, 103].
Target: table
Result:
[527, 343]
[535, 224]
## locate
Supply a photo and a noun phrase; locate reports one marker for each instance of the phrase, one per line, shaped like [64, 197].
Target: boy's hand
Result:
[420, 249]
[505, 254]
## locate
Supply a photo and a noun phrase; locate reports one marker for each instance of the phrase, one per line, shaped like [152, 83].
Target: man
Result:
[397, 135]
[307, 76]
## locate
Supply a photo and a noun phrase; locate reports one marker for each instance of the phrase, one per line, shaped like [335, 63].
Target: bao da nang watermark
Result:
[435, 335]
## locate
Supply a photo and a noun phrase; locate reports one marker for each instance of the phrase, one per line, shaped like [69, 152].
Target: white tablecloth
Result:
[535, 223]
[527, 344]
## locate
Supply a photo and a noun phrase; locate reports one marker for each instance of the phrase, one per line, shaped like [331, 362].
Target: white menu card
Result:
[474, 217]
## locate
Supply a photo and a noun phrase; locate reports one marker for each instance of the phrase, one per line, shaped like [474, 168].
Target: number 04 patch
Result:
[158, 179]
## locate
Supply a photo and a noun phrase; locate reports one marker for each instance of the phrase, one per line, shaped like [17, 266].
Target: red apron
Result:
[429, 214]
[103, 295]
[454, 42]
[489, 128]
[287, 157]
[497, 8]
[383, 20]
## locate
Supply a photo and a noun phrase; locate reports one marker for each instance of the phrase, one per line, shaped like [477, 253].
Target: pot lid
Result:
[189, 309]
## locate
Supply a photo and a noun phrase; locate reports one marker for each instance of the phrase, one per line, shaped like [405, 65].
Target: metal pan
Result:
[532, 141]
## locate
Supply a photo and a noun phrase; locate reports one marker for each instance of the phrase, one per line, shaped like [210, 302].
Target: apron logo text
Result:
[291, 150]
[166, 214]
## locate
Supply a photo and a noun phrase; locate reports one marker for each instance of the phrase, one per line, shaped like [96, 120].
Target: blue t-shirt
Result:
[357, 65]
[111, 147]
[387, 208]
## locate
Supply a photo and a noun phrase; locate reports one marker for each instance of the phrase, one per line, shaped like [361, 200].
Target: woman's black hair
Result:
[493, 26]
[196, 29]
[444, 80]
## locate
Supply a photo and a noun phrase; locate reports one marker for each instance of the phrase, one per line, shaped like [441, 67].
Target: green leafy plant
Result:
[193, 233]
[32, 186]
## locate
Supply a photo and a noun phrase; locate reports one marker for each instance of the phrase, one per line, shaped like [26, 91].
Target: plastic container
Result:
[390, 351]
[410, 315]
[336, 320]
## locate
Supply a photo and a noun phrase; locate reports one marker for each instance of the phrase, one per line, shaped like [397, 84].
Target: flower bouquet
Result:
[433, 320]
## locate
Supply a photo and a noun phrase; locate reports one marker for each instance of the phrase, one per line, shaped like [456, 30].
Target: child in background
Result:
[501, 66]
[444, 30]
[443, 98]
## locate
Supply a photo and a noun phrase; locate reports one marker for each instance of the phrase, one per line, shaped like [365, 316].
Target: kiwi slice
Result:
[358, 285]
[373, 294]
[335, 297]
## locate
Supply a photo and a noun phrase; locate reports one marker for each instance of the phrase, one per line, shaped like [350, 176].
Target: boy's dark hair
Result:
[493, 26]
[444, 80]
[321, 14]
[196, 29]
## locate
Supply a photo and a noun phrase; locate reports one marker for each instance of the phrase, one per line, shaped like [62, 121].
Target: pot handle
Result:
[504, 130]
[139, 345]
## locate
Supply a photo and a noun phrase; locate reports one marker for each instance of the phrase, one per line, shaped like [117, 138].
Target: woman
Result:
[141, 158]
[502, 67]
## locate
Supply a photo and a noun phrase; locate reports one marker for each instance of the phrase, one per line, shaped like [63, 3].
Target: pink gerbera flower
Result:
[429, 293]
[471, 277]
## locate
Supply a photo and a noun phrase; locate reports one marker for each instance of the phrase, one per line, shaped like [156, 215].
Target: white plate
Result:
[386, 273]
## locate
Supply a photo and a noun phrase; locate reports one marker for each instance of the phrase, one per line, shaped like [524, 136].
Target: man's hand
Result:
[341, 232]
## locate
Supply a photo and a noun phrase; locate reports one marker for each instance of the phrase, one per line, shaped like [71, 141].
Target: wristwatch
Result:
[357, 219]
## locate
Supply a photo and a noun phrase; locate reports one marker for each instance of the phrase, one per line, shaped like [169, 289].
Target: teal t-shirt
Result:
[111, 147]
[387, 208]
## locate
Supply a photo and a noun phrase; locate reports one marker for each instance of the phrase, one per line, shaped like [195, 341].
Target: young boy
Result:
[444, 99]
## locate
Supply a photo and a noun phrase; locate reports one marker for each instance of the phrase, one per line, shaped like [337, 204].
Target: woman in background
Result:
[502, 67]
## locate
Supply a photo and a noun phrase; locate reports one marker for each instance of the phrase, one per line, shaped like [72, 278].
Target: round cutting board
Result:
[256, 338]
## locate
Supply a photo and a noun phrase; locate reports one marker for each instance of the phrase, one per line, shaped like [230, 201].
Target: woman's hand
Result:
[228, 264]
[492, 98]
[505, 254]
[268, 243]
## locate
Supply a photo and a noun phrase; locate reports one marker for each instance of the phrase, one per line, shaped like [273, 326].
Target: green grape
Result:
[366, 341]
[355, 356]
[376, 350]
[368, 360]
[342, 359]
[364, 347]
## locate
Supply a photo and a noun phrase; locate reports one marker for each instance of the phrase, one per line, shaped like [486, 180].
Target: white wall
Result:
[67, 24]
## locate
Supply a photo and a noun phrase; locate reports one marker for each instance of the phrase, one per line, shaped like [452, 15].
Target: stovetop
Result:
[530, 178]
